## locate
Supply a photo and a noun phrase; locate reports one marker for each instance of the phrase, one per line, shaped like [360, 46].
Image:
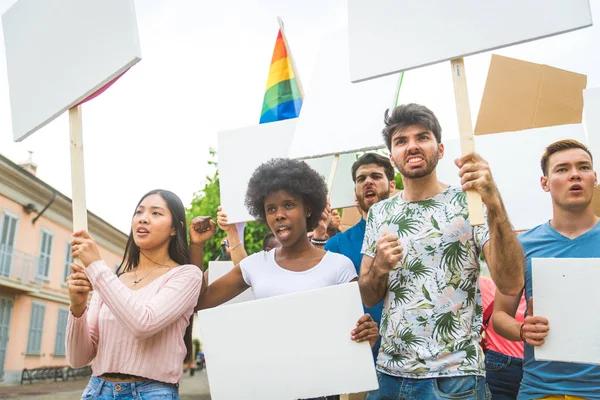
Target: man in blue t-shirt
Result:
[373, 177]
[573, 232]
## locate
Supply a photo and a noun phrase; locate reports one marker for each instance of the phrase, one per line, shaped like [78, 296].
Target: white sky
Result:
[204, 69]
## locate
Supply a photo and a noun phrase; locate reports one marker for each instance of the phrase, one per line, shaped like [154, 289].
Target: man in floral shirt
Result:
[422, 257]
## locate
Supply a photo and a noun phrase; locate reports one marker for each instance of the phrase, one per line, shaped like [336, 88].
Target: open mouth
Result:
[282, 232]
[142, 231]
[576, 188]
[370, 194]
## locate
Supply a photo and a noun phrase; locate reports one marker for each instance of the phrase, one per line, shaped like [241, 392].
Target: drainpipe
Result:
[45, 208]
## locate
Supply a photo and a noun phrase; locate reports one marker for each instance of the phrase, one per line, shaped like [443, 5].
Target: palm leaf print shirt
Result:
[432, 312]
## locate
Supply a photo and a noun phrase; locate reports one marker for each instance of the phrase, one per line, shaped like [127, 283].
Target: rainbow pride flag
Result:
[283, 96]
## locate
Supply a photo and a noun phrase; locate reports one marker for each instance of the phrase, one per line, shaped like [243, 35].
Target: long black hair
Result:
[178, 247]
[178, 250]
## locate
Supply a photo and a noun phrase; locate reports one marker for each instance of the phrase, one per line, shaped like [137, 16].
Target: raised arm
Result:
[236, 248]
[201, 230]
[503, 252]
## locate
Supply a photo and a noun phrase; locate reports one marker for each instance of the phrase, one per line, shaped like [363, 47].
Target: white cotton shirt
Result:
[268, 279]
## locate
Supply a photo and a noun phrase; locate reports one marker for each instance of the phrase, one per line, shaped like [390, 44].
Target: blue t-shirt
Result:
[545, 378]
[349, 243]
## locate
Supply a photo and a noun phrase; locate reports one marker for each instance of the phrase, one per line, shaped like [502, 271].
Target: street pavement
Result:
[192, 388]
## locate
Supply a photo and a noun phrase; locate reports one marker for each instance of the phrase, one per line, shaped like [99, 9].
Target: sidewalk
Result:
[192, 388]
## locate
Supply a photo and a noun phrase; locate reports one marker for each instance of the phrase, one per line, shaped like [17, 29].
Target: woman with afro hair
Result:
[289, 196]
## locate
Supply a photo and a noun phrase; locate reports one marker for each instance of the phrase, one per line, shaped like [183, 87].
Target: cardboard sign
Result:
[521, 95]
[573, 334]
[389, 36]
[287, 347]
[60, 52]
[514, 159]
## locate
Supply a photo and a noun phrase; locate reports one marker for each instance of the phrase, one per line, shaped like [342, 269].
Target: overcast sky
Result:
[204, 69]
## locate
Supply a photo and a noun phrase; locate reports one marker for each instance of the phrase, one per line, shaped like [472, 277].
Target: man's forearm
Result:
[506, 326]
[373, 287]
[507, 263]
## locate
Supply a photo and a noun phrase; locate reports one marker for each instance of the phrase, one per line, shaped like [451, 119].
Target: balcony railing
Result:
[18, 266]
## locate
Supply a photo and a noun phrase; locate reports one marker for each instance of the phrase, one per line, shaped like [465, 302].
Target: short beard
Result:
[363, 204]
[430, 165]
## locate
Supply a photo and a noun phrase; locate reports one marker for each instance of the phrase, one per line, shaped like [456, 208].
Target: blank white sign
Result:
[287, 347]
[338, 116]
[389, 36]
[574, 324]
[514, 159]
[60, 52]
[243, 150]
[217, 269]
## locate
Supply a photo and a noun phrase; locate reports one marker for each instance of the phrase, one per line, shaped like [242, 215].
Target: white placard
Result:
[337, 116]
[591, 119]
[217, 269]
[243, 150]
[389, 36]
[287, 347]
[514, 159]
[60, 52]
[573, 334]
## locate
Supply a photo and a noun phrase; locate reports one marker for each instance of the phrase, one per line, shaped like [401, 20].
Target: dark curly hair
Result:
[405, 115]
[293, 176]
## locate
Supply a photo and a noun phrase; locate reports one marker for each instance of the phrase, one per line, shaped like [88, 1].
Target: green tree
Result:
[205, 203]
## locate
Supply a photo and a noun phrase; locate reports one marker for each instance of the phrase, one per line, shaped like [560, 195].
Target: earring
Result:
[308, 215]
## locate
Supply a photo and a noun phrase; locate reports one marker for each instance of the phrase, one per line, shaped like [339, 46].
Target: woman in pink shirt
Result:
[133, 329]
[503, 358]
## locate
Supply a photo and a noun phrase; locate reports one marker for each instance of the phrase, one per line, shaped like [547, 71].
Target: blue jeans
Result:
[146, 389]
[471, 387]
[503, 375]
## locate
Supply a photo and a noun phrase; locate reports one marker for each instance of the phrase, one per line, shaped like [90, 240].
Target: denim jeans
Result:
[146, 389]
[503, 375]
[470, 387]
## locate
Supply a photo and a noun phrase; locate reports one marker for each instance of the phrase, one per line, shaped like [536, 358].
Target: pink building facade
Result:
[35, 230]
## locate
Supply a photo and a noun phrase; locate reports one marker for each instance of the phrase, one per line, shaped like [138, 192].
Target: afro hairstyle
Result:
[295, 177]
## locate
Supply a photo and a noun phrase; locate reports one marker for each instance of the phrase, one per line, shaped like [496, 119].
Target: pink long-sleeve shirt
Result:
[137, 332]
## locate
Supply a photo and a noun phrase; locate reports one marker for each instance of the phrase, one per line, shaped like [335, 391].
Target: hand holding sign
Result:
[534, 329]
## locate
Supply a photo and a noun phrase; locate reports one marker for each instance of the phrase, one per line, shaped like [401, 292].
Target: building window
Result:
[8, 233]
[45, 254]
[61, 327]
[68, 262]
[36, 326]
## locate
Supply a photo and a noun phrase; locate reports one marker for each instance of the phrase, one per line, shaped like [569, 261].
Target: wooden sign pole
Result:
[77, 171]
[467, 139]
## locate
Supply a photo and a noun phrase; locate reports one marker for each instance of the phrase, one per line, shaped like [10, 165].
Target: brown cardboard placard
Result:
[523, 95]
[596, 201]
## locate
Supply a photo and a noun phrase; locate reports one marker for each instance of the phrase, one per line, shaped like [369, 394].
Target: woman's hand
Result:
[84, 247]
[79, 287]
[366, 330]
[223, 222]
